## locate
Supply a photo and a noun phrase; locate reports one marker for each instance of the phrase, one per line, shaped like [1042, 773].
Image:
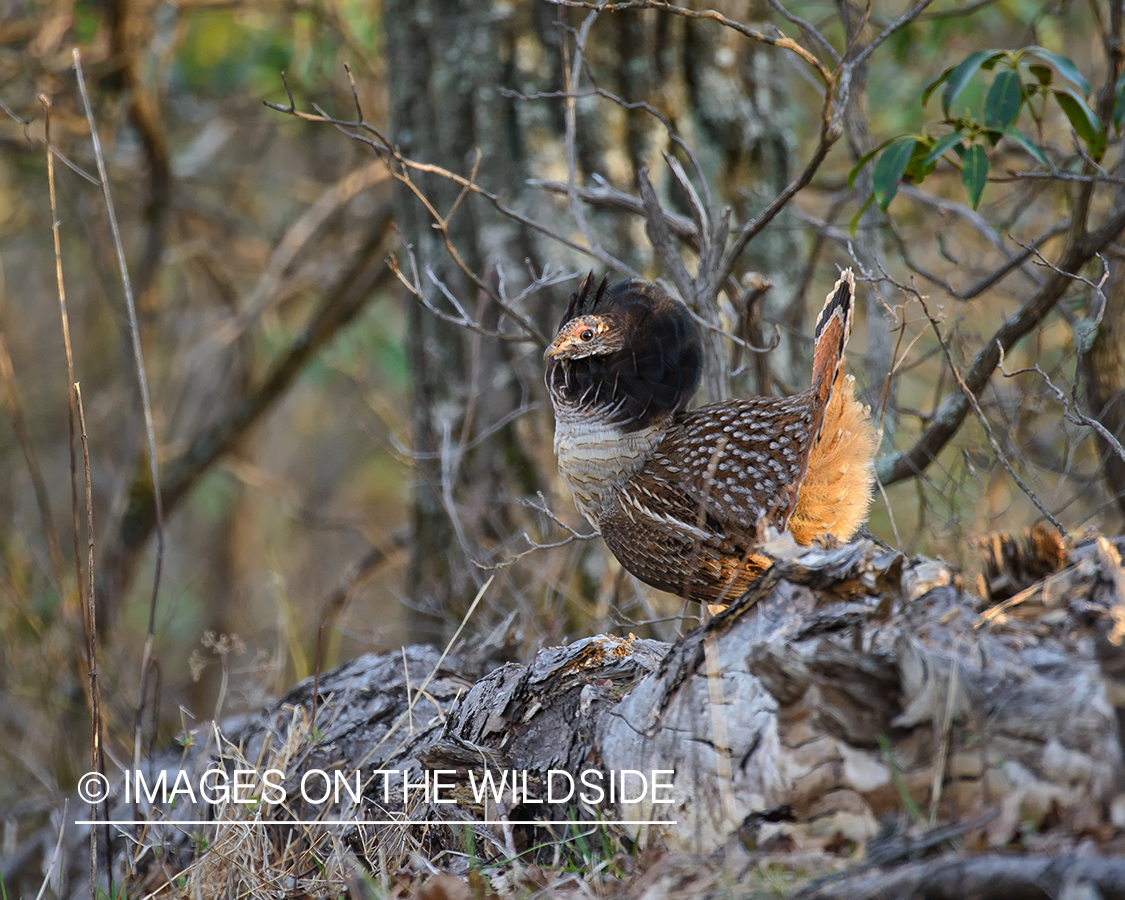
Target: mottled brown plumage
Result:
[682, 497]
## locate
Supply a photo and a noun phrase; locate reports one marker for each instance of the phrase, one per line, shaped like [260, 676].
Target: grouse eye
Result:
[586, 335]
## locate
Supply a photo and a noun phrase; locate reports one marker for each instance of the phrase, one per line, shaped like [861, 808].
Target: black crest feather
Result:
[585, 300]
[659, 367]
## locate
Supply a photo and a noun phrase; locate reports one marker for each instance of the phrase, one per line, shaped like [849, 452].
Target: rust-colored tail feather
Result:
[833, 326]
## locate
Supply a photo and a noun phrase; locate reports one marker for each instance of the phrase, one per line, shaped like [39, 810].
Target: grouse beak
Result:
[558, 345]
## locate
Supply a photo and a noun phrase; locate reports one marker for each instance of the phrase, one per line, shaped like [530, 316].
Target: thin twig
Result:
[809, 29]
[957, 12]
[52, 867]
[890, 513]
[405, 165]
[829, 134]
[1000, 455]
[146, 406]
[954, 407]
[630, 106]
[611, 198]
[680, 226]
[413, 285]
[535, 546]
[901, 22]
[45, 100]
[779, 41]
[571, 74]
[1072, 413]
[91, 623]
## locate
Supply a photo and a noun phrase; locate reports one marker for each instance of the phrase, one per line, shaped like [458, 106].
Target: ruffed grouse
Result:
[682, 496]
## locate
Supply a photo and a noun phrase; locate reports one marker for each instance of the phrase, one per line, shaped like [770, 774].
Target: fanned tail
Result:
[833, 326]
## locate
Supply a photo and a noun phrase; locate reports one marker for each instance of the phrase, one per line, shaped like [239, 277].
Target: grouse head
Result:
[626, 354]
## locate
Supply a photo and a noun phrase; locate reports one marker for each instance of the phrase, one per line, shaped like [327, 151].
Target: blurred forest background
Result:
[347, 447]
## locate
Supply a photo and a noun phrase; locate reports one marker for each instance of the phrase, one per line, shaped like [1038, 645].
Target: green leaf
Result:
[1029, 145]
[974, 173]
[1082, 120]
[916, 167]
[941, 146]
[888, 171]
[935, 84]
[1005, 97]
[962, 74]
[867, 157]
[863, 160]
[859, 215]
[1043, 74]
[1063, 66]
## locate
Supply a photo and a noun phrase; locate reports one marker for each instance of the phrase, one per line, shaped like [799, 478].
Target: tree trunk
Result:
[446, 62]
[1104, 365]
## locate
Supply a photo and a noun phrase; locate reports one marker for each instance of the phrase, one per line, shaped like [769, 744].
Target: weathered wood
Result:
[850, 687]
[992, 877]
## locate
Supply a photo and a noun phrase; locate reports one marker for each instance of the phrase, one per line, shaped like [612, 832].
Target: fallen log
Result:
[851, 694]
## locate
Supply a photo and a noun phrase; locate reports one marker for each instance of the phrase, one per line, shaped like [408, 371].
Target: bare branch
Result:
[809, 29]
[901, 22]
[956, 12]
[572, 75]
[90, 623]
[680, 226]
[610, 197]
[535, 546]
[971, 398]
[1014, 262]
[401, 167]
[661, 238]
[413, 287]
[777, 41]
[950, 414]
[1072, 412]
[146, 407]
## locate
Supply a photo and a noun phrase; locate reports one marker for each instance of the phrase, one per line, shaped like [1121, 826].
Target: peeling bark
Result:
[850, 689]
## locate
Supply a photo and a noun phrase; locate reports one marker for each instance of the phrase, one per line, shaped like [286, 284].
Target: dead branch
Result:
[339, 307]
[535, 546]
[992, 442]
[1015, 262]
[146, 409]
[60, 286]
[954, 406]
[462, 319]
[607, 196]
[779, 40]
[1071, 408]
[990, 877]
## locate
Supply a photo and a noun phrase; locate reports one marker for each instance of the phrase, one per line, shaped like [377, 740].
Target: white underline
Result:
[188, 824]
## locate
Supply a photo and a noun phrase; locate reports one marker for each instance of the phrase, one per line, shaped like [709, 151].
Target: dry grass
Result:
[273, 542]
